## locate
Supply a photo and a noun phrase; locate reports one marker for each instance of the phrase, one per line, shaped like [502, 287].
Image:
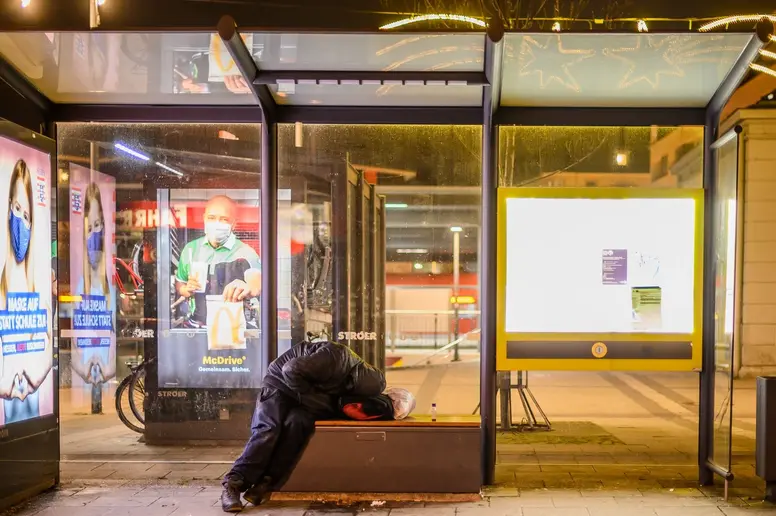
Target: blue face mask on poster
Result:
[20, 236]
[94, 247]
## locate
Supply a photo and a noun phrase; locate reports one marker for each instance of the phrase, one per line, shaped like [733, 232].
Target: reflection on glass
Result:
[428, 177]
[653, 157]
[724, 300]
[159, 254]
[180, 68]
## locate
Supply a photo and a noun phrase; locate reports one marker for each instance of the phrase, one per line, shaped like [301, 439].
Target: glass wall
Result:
[158, 262]
[427, 178]
[724, 248]
[652, 157]
[601, 420]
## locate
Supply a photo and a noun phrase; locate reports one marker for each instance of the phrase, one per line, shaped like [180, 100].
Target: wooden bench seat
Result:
[414, 455]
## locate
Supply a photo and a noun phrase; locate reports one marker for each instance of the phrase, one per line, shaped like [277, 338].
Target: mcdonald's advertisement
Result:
[26, 349]
[209, 326]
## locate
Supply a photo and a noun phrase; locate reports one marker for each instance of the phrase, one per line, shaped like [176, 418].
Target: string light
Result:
[763, 69]
[741, 18]
[432, 17]
[768, 53]
[641, 26]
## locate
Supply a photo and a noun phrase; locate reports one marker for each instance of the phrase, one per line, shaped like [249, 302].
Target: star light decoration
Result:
[551, 61]
[645, 60]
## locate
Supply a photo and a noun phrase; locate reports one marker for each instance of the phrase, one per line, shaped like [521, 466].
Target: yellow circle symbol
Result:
[599, 350]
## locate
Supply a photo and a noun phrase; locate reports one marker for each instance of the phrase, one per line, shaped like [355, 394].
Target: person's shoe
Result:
[230, 499]
[257, 494]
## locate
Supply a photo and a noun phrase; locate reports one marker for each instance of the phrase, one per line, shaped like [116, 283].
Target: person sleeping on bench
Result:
[301, 386]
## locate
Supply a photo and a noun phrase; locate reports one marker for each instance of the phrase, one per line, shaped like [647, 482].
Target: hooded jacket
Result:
[318, 373]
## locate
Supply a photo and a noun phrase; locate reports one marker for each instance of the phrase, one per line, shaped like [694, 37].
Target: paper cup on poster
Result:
[225, 324]
[199, 273]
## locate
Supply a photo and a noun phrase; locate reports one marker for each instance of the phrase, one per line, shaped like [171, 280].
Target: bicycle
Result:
[130, 397]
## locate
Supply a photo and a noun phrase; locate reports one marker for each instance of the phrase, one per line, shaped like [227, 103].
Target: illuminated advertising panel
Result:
[26, 350]
[599, 279]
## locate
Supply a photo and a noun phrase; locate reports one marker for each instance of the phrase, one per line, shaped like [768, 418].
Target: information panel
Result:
[599, 278]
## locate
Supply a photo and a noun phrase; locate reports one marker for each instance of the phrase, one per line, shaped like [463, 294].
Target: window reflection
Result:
[379, 273]
[654, 157]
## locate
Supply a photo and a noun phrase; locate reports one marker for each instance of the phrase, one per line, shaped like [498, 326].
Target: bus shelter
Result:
[71, 74]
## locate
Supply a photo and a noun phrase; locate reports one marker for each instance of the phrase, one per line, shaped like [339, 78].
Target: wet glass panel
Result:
[724, 299]
[654, 157]
[158, 242]
[428, 177]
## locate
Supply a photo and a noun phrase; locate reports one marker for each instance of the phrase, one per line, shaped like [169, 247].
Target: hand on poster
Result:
[191, 286]
[236, 84]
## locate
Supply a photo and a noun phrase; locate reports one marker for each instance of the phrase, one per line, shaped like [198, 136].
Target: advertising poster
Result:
[209, 309]
[26, 381]
[92, 242]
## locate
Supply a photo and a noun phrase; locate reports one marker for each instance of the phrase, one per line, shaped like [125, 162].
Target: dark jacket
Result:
[318, 373]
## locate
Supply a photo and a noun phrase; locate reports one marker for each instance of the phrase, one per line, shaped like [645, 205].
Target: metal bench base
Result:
[389, 459]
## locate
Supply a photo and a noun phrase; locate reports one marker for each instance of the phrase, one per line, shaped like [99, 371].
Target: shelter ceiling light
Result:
[556, 27]
[621, 158]
[25, 4]
[740, 18]
[433, 17]
[418, 266]
[641, 26]
[456, 229]
[395, 205]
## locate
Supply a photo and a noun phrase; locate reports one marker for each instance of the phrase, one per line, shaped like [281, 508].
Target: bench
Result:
[414, 455]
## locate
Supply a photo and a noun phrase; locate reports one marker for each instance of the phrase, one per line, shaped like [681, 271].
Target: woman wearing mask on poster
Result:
[21, 374]
[95, 364]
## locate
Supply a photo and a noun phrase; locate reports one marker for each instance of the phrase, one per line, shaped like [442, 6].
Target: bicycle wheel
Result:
[123, 408]
[137, 394]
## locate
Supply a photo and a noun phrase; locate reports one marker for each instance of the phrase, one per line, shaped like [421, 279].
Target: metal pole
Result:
[488, 251]
[269, 238]
[706, 467]
[456, 281]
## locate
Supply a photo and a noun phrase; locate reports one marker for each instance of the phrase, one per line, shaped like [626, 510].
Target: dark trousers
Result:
[280, 430]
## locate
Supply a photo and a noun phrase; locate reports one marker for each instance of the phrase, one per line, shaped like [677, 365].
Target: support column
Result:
[488, 249]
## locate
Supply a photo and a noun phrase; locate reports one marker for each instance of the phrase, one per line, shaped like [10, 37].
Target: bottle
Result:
[433, 412]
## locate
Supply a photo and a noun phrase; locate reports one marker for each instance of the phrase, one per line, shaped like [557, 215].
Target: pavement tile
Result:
[564, 511]
[587, 501]
[122, 501]
[687, 511]
[613, 511]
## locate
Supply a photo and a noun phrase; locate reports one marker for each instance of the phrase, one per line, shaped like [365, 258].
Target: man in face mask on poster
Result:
[218, 263]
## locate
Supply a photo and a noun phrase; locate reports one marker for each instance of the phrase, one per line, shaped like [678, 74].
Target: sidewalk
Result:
[167, 499]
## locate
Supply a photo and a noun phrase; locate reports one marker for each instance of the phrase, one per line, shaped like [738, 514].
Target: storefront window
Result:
[158, 260]
[388, 258]
[649, 157]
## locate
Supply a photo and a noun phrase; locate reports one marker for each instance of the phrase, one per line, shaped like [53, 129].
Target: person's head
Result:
[94, 226]
[20, 211]
[220, 216]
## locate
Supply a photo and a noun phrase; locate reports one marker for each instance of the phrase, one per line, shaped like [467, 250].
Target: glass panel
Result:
[633, 70]
[385, 95]
[601, 156]
[430, 178]
[159, 262]
[369, 52]
[127, 68]
[724, 300]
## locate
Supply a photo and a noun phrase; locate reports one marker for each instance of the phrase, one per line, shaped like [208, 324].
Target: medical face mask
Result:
[20, 236]
[217, 232]
[94, 247]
